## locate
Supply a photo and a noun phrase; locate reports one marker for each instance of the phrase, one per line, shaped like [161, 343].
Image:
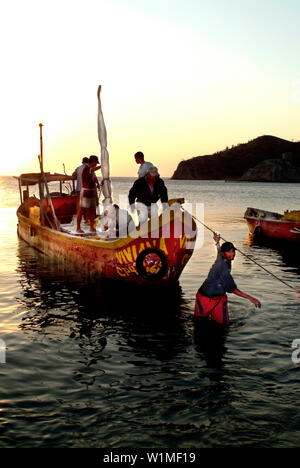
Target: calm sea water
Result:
[95, 365]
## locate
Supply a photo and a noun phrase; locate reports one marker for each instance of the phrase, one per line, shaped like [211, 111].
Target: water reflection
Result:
[91, 365]
[111, 322]
[287, 253]
[61, 304]
[210, 338]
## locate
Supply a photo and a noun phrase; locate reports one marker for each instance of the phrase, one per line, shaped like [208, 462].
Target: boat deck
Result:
[70, 228]
[255, 213]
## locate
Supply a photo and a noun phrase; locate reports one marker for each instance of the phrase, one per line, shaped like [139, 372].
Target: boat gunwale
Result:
[101, 243]
[268, 219]
[272, 220]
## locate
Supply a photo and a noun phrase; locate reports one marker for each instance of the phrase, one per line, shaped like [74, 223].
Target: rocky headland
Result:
[264, 159]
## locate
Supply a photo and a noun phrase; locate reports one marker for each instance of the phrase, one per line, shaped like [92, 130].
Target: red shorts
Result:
[216, 307]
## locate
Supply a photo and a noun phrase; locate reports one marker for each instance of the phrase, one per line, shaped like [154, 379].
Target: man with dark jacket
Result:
[146, 191]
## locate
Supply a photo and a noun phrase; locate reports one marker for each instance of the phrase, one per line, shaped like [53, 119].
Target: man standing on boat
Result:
[146, 191]
[211, 298]
[144, 165]
[88, 194]
[77, 174]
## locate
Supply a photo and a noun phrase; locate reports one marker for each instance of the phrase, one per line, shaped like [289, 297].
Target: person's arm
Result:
[96, 180]
[217, 242]
[246, 296]
[93, 169]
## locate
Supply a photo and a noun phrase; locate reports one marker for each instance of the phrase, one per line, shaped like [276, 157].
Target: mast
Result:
[41, 147]
[41, 187]
[41, 161]
[106, 184]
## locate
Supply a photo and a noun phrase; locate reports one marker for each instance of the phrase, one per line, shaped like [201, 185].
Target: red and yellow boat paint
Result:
[144, 257]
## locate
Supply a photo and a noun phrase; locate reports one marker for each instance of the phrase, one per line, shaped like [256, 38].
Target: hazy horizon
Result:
[179, 79]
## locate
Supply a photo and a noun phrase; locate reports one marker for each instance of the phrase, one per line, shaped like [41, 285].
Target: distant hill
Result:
[265, 159]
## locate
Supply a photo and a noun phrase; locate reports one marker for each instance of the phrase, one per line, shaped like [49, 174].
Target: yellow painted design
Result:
[162, 245]
[120, 271]
[183, 241]
[142, 247]
[120, 257]
[127, 254]
[134, 254]
[126, 271]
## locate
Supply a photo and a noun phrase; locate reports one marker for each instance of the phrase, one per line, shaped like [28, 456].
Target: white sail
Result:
[106, 185]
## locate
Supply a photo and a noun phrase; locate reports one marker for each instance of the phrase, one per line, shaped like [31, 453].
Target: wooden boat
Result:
[146, 256]
[262, 223]
[154, 253]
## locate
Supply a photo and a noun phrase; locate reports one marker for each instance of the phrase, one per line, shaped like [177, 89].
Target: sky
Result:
[179, 79]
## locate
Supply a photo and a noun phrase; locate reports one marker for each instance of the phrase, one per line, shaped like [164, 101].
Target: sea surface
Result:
[103, 365]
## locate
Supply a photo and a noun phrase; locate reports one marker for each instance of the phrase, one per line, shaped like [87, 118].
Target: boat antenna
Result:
[249, 258]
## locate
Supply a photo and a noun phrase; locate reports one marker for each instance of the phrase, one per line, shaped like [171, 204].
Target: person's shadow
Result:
[210, 339]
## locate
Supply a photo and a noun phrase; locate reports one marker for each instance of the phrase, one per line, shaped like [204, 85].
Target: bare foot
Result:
[79, 231]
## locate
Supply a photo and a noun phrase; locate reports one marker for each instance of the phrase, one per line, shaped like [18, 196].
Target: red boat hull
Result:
[267, 224]
[128, 259]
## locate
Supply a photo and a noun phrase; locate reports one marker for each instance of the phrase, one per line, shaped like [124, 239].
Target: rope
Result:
[105, 178]
[99, 191]
[249, 258]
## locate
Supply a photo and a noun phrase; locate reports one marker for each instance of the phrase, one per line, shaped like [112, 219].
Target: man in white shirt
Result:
[78, 172]
[144, 165]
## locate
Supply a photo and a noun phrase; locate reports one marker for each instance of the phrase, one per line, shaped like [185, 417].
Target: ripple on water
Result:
[96, 365]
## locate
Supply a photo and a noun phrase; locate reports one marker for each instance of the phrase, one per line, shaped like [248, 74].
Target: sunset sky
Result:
[180, 78]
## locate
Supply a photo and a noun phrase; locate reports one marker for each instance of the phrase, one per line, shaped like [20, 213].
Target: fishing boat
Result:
[154, 252]
[268, 224]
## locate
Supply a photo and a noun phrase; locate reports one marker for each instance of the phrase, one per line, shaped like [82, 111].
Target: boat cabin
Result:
[64, 201]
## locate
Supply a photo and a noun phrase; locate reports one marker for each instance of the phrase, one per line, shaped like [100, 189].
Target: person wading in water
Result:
[211, 298]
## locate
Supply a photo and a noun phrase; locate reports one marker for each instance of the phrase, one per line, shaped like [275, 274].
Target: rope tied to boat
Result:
[250, 258]
[104, 179]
